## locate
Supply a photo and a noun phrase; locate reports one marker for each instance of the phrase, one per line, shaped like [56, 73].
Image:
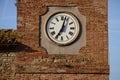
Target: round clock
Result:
[62, 28]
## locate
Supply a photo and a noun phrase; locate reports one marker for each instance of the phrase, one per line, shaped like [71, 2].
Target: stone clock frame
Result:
[72, 48]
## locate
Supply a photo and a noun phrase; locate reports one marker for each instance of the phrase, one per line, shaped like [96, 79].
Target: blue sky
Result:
[7, 14]
[8, 20]
[114, 37]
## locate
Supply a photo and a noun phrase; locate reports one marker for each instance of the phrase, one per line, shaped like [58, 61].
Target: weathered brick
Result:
[32, 62]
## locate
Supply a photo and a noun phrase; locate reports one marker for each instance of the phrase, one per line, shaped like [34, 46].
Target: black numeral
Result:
[70, 23]
[62, 17]
[56, 37]
[72, 28]
[53, 23]
[71, 33]
[52, 28]
[61, 38]
[67, 37]
[67, 19]
[53, 32]
[57, 19]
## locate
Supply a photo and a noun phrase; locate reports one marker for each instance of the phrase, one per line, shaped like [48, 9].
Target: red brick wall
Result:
[29, 12]
[33, 62]
[61, 77]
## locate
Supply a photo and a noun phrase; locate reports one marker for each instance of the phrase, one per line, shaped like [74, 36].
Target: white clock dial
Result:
[62, 28]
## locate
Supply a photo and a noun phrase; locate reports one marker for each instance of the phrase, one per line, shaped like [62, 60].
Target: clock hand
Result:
[65, 25]
[62, 28]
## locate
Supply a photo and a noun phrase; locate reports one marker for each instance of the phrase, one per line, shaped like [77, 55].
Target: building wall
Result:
[31, 61]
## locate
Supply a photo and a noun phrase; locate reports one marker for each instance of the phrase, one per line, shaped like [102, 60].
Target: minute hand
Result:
[62, 28]
[63, 25]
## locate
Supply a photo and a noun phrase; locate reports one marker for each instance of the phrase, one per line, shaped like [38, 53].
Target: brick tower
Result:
[43, 57]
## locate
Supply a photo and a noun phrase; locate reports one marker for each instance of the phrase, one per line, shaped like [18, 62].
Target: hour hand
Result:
[57, 35]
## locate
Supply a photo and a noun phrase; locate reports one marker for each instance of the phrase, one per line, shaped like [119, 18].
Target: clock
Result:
[62, 28]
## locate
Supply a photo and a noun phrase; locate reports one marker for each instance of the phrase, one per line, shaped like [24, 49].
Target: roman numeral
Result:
[71, 33]
[61, 38]
[67, 37]
[62, 17]
[67, 19]
[70, 23]
[72, 28]
[53, 32]
[56, 37]
[53, 23]
[57, 19]
[52, 28]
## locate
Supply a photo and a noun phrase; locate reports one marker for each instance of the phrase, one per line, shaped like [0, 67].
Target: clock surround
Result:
[77, 42]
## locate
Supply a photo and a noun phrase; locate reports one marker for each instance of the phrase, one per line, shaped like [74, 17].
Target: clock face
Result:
[62, 28]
